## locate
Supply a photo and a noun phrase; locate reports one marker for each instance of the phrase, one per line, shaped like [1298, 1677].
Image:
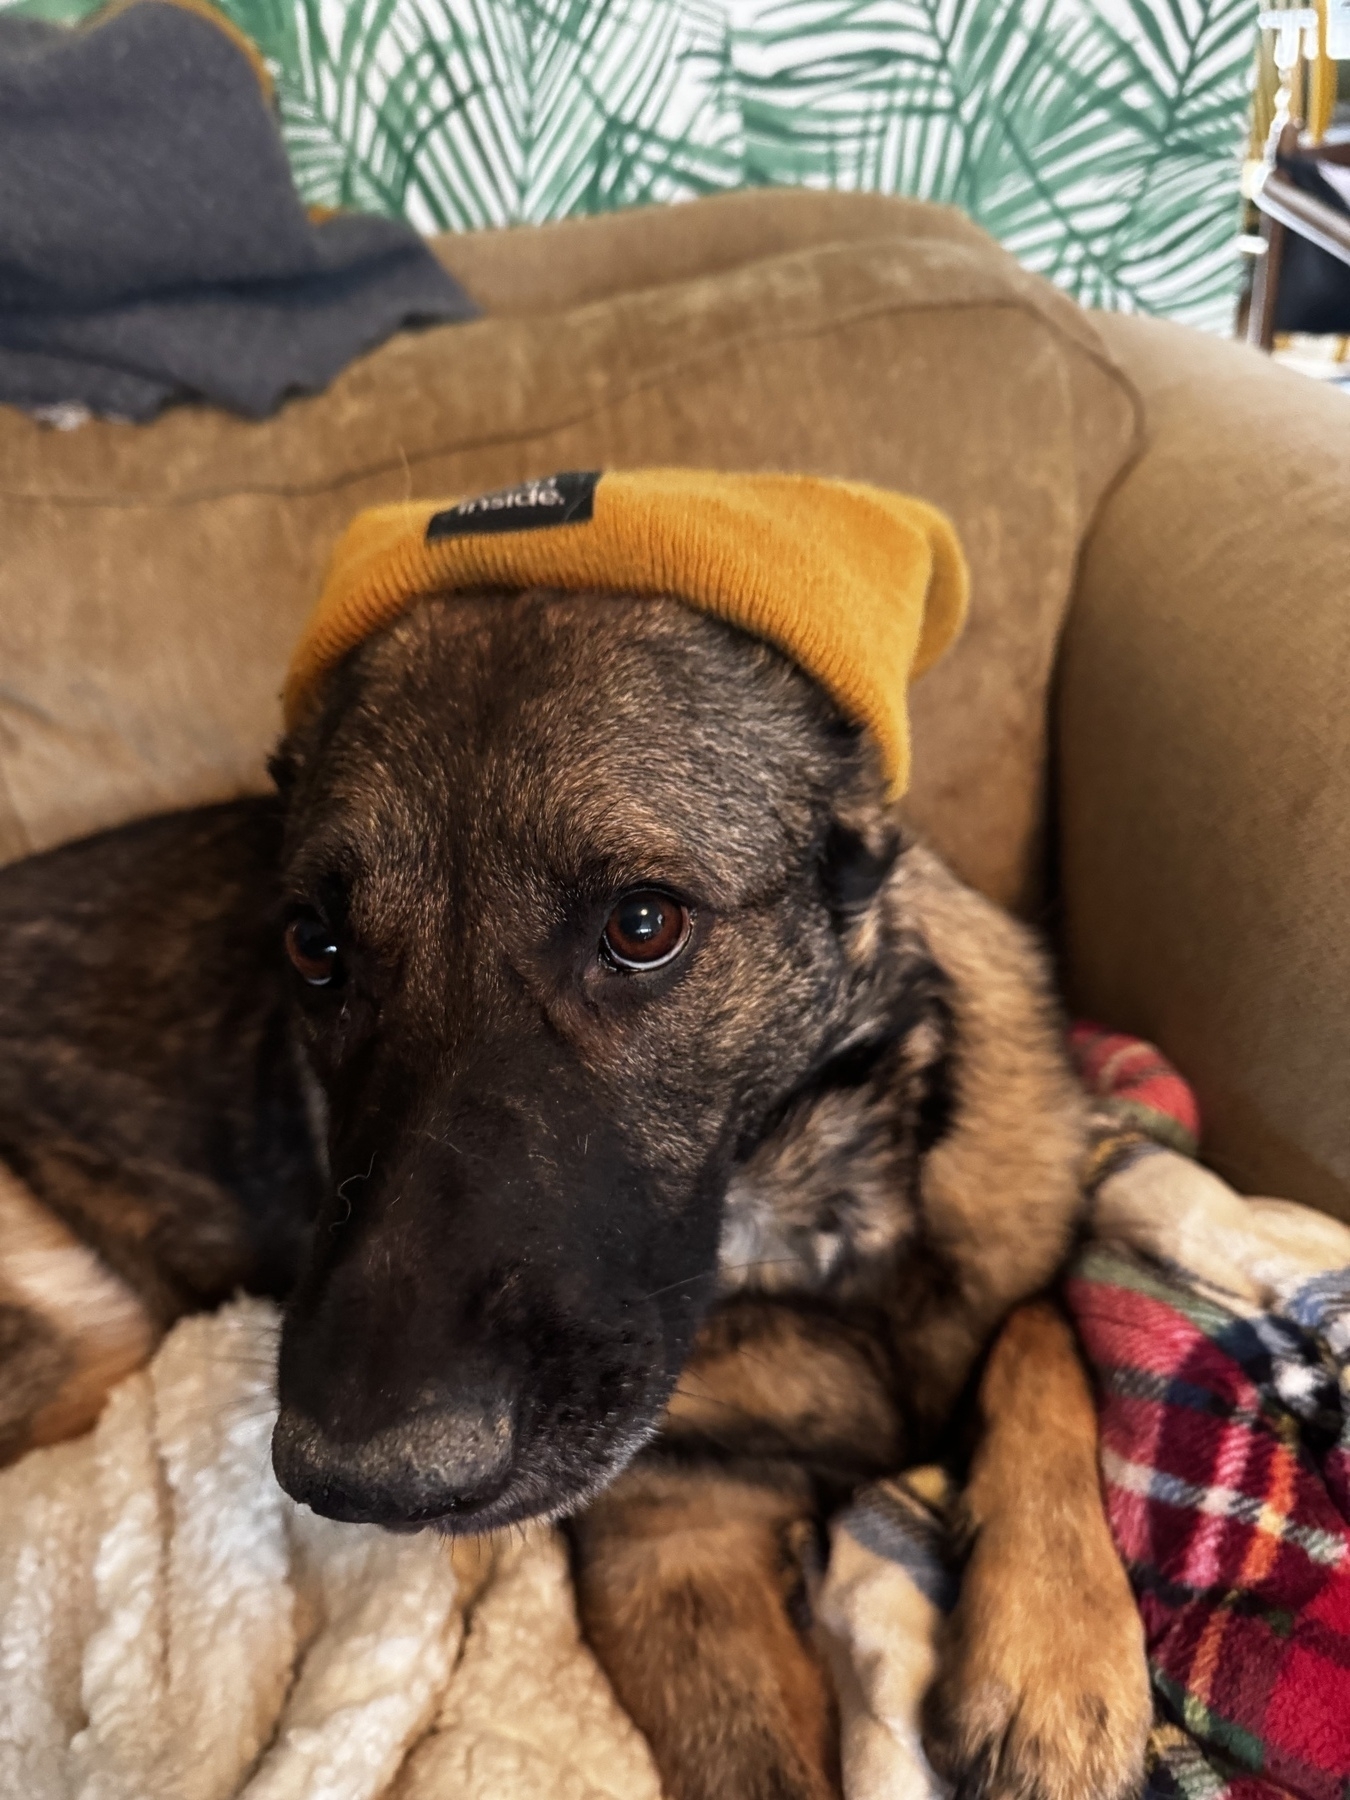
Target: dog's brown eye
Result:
[646, 929]
[310, 946]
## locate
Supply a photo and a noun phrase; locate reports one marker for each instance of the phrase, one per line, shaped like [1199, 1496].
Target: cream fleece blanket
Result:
[173, 1627]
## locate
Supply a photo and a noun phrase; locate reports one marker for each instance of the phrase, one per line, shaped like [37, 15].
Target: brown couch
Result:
[1152, 518]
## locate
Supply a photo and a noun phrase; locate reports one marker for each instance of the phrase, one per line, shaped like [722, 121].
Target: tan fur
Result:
[771, 1380]
[125, 1226]
[1044, 1689]
[1000, 1192]
[91, 1328]
[684, 1582]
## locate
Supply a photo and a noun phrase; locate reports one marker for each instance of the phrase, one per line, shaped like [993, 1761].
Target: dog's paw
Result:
[993, 1744]
[1043, 1701]
[1043, 1689]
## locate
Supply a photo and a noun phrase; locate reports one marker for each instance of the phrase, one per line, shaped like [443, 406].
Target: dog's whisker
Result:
[744, 1354]
[731, 1406]
[264, 1369]
[262, 1357]
[439, 1137]
[763, 1262]
[766, 1262]
[241, 1409]
[343, 1195]
[708, 1397]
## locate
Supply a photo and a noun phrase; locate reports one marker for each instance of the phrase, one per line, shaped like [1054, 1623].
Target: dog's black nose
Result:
[449, 1458]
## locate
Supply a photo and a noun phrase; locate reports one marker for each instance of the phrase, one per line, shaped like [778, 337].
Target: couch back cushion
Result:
[153, 578]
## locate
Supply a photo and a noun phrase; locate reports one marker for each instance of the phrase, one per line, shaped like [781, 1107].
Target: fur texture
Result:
[683, 1252]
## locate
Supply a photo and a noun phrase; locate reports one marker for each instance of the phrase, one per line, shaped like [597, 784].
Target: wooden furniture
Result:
[1300, 34]
[1285, 208]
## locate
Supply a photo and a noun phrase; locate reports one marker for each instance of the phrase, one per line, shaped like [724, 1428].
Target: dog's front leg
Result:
[1044, 1691]
[691, 1587]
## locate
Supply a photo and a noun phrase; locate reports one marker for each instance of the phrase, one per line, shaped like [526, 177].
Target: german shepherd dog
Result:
[640, 1129]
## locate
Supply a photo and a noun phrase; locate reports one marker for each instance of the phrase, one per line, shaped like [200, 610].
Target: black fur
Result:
[500, 1181]
[172, 1137]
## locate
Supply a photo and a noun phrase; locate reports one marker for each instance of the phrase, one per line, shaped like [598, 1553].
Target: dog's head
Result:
[580, 890]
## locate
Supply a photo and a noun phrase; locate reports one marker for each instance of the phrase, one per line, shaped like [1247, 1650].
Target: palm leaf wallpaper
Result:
[1098, 139]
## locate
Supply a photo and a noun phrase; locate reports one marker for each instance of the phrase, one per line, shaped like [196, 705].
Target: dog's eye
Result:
[310, 946]
[647, 928]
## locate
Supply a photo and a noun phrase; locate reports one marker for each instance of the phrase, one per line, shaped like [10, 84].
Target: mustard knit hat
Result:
[863, 589]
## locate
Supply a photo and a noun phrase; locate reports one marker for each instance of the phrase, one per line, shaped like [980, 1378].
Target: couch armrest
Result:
[1204, 754]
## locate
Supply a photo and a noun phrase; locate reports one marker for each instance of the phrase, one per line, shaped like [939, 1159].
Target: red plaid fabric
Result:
[1142, 1087]
[1225, 1451]
[1226, 1465]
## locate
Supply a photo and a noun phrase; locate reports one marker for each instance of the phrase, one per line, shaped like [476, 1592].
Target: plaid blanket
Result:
[1218, 1331]
[1225, 1457]
[1226, 1465]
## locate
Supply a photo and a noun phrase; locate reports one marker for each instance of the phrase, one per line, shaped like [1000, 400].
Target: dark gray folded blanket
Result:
[152, 244]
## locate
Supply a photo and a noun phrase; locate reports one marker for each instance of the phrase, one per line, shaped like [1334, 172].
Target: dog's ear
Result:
[863, 837]
[856, 859]
[855, 862]
[283, 765]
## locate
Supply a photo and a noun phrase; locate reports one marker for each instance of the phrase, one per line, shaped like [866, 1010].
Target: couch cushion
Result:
[154, 577]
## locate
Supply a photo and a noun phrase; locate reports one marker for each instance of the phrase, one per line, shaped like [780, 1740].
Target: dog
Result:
[642, 1130]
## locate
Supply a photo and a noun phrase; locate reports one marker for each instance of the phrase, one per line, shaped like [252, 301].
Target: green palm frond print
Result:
[458, 114]
[1098, 139]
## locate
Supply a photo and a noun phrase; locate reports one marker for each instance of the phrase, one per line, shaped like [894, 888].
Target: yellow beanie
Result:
[863, 589]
